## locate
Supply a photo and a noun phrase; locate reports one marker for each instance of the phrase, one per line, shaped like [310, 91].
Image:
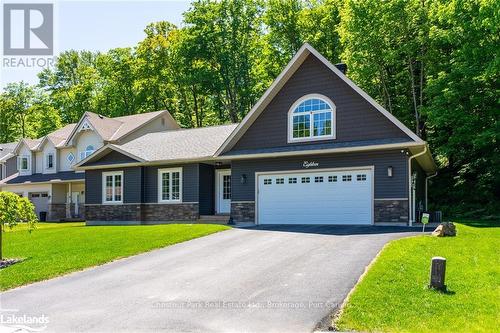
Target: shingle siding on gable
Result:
[356, 118]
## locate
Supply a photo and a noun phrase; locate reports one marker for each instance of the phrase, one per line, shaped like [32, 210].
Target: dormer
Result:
[47, 155]
[26, 163]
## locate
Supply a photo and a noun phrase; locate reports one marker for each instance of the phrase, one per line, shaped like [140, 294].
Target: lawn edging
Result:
[89, 249]
[392, 295]
[335, 316]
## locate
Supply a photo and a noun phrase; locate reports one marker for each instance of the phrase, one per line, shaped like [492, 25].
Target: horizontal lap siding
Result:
[132, 190]
[385, 187]
[10, 166]
[356, 118]
[207, 191]
[140, 184]
[189, 182]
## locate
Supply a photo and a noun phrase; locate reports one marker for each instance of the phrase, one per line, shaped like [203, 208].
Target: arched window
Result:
[87, 152]
[312, 117]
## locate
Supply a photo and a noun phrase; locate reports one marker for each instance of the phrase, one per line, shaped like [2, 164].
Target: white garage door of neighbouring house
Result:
[326, 197]
[40, 201]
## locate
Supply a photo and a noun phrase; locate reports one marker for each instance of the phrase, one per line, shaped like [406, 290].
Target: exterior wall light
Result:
[389, 171]
[243, 179]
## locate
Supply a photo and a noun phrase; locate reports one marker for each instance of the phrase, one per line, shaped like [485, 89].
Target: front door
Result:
[223, 191]
[75, 199]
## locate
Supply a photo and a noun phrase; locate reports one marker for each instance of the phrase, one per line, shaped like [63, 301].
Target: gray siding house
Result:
[43, 169]
[315, 149]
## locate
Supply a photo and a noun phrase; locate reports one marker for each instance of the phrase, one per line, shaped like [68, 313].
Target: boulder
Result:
[445, 229]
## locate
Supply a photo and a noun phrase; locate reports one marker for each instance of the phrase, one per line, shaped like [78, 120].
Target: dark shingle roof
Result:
[179, 144]
[41, 177]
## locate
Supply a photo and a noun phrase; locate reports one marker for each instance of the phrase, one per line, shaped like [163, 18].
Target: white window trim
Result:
[112, 173]
[47, 161]
[20, 163]
[85, 153]
[333, 136]
[160, 184]
[67, 158]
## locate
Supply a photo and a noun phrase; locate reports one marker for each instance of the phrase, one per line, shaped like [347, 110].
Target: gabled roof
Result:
[175, 145]
[6, 149]
[113, 129]
[61, 176]
[58, 137]
[30, 143]
[280, 81]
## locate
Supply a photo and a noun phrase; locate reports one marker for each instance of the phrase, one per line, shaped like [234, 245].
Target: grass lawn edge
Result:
[113, 260]
[334, 317]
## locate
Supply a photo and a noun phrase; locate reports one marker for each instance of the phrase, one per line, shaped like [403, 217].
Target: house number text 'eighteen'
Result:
[309, 164]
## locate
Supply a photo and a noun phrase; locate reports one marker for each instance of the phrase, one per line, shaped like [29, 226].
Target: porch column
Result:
[68, 201]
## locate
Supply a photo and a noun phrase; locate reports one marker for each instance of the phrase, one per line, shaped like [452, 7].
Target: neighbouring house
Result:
[315, 149]
[8, 160]
[43, 169]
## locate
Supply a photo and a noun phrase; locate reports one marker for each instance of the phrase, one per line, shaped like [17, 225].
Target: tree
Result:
[14, 210]
[22, 98]
[463, 109]
[227, 36]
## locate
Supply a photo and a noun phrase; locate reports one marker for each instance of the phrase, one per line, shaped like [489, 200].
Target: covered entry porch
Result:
[67, 201]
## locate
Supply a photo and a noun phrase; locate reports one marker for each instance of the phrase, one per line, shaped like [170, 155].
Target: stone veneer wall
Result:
[170, 212]
[56, 212]
[243, 211]
[391, 211]
[125, 212]
[143, 212]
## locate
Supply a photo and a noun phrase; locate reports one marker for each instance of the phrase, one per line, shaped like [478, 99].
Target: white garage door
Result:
[336, 197]
[40, 201]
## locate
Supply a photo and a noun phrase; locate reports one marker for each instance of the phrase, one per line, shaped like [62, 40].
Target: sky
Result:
[98, 26]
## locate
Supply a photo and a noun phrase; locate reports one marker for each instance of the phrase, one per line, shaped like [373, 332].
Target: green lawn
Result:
[393, 297]
[57, 248]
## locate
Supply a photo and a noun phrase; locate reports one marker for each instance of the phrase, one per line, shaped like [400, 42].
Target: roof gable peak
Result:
[296, 61]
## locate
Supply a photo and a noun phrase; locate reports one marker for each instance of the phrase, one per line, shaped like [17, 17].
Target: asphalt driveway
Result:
[264, 279]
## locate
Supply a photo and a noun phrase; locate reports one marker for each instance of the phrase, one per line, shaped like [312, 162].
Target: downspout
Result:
[426, 179]
[410, 205]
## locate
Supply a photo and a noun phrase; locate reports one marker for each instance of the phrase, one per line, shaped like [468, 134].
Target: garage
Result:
[315, 197]
[41, 202]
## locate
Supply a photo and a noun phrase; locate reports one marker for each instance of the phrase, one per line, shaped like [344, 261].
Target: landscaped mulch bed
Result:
[7, 262]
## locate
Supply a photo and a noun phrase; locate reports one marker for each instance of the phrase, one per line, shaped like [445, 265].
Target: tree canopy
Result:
[432, 63]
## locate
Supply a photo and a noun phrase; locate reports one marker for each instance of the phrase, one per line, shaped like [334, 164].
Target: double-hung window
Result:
[49, 161]
[170, 185]
[24, 163]
[312, 117]
[112, 183]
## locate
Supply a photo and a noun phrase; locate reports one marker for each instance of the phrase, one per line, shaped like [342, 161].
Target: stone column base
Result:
[391, 211]
[243, 211]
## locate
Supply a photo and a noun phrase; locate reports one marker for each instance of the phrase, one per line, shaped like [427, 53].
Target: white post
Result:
[68, 202]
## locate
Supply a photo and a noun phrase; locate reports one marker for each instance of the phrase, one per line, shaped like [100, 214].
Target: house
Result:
[43, 169]
[315, 149]
[8, 164]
